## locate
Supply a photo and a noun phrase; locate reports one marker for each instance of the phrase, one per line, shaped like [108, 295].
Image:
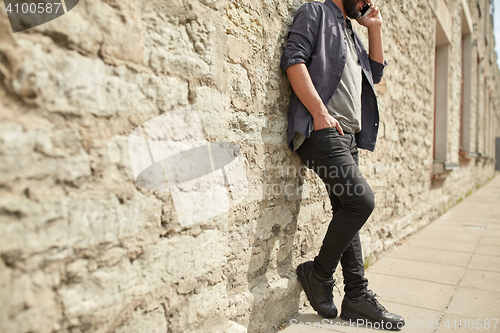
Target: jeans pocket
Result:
[329, 142]
[327, 129]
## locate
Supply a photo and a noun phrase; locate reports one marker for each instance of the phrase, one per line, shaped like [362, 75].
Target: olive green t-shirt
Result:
[345, 104]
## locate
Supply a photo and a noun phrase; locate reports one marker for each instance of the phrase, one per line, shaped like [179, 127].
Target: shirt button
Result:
[376, 124]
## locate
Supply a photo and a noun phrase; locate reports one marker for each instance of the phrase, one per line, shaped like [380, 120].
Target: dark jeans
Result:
[335, 159]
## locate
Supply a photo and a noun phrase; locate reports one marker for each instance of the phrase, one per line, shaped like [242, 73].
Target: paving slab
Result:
[444, 244]
[488, 249]
[464, 219]
[494, 240]
[408, 291]
[460, 226]
[492, 232]
[485, 263]
[466, 227]
[441, 234]
[475, 303]
[446, 257]
[419, 270]
[483, 280]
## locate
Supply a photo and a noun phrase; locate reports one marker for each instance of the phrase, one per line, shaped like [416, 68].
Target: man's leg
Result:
[353, 270]
[329, 154]
[334, 158]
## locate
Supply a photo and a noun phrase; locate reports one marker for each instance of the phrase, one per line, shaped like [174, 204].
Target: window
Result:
[466, 91]
[441, 77]
[444, 160]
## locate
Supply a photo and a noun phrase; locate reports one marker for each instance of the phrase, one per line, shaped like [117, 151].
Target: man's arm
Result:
[300, 45]
[373, 22]
[302, 85]
[376, 49]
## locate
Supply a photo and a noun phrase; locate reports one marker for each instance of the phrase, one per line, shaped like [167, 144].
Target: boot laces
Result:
[330, 290]
[371, 298]
[338, 290]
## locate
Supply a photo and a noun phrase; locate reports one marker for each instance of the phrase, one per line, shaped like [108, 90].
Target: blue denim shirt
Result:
[317, 39]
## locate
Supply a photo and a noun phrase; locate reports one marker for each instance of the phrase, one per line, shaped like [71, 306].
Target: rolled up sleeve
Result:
[301, 37]
[377, 70]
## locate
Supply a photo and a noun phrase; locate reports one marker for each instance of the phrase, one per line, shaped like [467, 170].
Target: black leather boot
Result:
[366, 310]
[318, 292]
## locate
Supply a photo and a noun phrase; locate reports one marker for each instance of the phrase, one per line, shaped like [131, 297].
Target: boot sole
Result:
[353, 317]
[305, 286]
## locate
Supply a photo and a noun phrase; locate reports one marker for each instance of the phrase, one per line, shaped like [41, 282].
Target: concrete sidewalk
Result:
[444, 278]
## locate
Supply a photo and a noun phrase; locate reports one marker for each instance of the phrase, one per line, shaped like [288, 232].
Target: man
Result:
[333, 111]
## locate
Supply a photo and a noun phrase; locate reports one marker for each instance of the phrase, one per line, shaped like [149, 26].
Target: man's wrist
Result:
[319, 114]
[375, 29]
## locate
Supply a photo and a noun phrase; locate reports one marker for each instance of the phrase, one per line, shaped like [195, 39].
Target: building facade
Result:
[83, 248]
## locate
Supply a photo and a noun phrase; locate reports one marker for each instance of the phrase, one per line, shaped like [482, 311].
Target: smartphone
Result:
[365, 11]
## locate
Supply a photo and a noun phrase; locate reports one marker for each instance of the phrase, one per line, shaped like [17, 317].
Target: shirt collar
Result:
[335, 8]
[348, 23]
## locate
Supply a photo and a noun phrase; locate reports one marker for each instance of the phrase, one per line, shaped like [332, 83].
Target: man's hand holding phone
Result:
[370, 16]
[365, 11]
[373, 22]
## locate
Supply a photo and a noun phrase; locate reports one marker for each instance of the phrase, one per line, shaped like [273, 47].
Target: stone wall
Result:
[84, 249]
